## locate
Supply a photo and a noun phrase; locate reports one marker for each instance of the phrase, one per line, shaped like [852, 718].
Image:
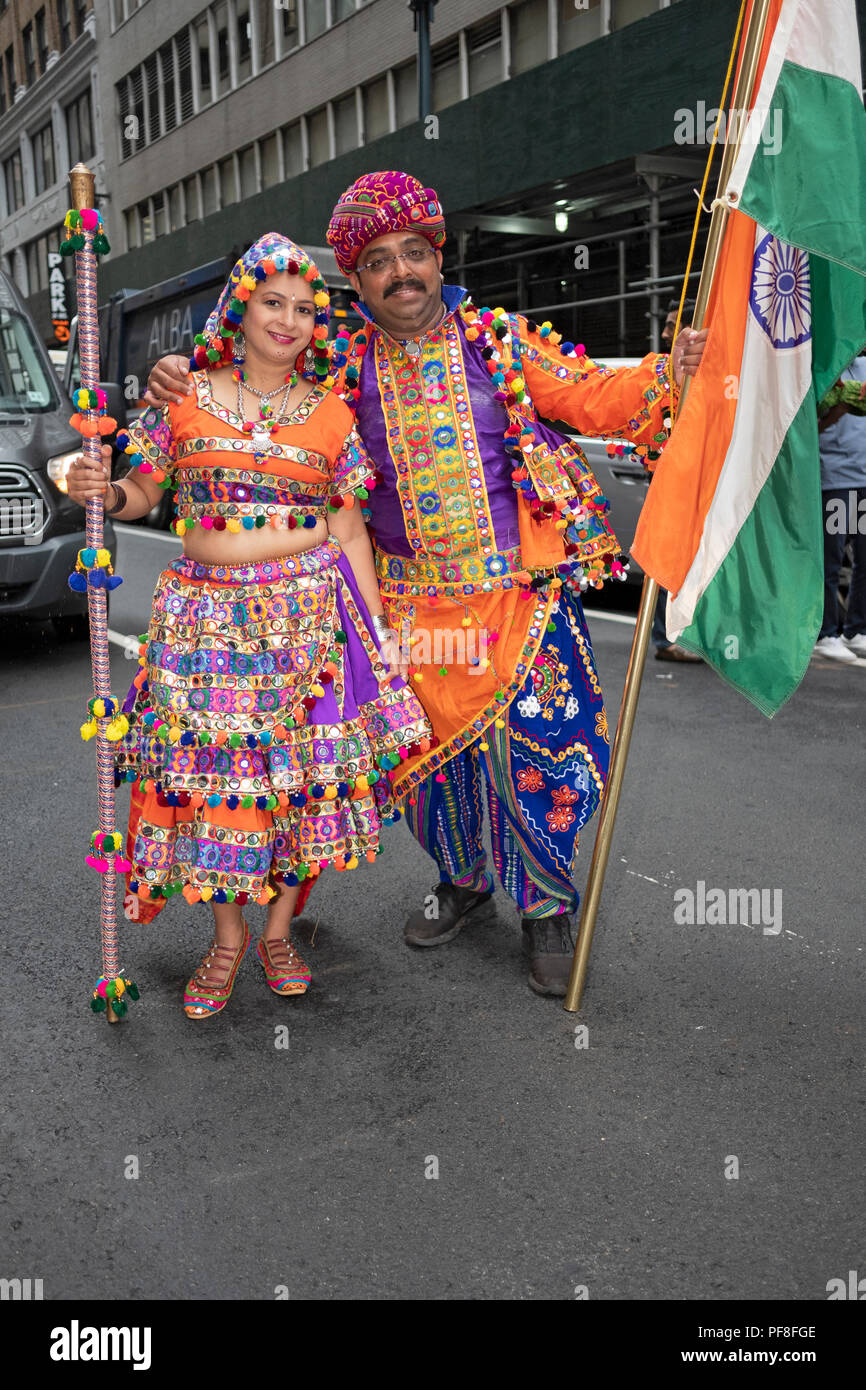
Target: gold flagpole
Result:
[740, 101]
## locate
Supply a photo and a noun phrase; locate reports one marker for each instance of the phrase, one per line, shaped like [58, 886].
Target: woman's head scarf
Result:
[270, 254]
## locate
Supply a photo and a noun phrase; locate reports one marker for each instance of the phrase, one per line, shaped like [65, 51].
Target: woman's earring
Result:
[309, 358]
[240, 347]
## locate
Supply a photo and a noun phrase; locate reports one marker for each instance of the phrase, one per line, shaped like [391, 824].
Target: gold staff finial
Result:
[83, 185]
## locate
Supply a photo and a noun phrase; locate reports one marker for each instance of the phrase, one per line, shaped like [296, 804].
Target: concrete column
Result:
[194, 69]
[233, 44]
[464, 64]
[62, 163]
[506, 44]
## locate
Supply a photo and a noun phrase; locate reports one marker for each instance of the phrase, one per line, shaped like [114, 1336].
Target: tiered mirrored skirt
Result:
[263, 731]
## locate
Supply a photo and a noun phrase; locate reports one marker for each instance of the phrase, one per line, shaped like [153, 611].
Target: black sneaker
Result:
[551, 950]
[455, 905]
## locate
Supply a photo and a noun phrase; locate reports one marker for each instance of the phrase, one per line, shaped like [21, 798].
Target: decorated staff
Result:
[93, 575]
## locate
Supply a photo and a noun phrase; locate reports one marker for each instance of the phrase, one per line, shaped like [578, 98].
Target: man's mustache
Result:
[403, 285]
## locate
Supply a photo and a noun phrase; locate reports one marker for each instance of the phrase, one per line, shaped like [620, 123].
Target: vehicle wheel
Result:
[72, 627]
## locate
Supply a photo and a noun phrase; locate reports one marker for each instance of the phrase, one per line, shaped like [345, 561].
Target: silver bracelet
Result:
[381, 627]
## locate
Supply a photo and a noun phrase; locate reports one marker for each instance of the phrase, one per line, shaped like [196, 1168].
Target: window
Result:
[317, 20]
[191, 197]
[289, 21]
[184, 68]
[159, 214]
[41, 40]
[376, 121]
[270, 158]
[146, 223]
[247, 169]
[10, 73]
[151, 87]
[406, 86]
[529, 40]
[169, 104]
[228, 183]
[79, 129]
[36, 256]
[293, 149]
[346, 124]
[129, 114]
[320, 144]
[43, 158]
[133, 233]
[201, 47]
[2, 95]
[208, 190]
[341, 9]
[14, 182]
[485, 55]
[245, 40]
[81, 14]
[266, 13]
[175, 220]
[24, 386]
[577, 27]
[224, 71]
[627, 11]
[29, 60]
[137, 127]
[445, 62]
[64, 22]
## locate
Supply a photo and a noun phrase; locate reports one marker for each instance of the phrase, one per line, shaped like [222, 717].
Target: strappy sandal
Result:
[285, 971]
[203, 1000]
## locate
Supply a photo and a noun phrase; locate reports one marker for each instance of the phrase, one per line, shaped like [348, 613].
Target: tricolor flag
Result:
[732, 525]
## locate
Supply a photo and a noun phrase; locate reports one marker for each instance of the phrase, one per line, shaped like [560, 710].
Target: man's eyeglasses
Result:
[383, 263]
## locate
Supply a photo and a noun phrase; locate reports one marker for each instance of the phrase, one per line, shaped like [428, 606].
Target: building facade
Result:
[50, 118]
[553, 136]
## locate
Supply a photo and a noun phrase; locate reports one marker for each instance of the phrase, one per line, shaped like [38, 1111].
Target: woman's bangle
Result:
[120, 500]
[381, 626]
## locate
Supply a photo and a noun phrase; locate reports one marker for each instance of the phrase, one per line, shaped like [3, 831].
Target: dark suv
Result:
[41, 530]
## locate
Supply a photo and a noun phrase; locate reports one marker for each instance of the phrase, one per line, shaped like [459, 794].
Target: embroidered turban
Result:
[379, 204]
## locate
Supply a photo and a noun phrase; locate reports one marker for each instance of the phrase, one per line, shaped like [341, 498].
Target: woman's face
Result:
[279, 318]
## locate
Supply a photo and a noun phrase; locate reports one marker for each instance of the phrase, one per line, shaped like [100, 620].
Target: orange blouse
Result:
[227, 478]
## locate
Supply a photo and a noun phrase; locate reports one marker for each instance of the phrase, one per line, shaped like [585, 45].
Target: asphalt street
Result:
[432, 1129]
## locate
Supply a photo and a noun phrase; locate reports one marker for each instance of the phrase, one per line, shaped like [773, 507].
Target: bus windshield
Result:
[25, 384]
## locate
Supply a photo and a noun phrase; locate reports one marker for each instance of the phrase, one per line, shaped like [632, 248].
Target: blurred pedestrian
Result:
[842, 444]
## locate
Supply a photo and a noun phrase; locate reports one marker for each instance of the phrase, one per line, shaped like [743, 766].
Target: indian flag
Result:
[732, 525]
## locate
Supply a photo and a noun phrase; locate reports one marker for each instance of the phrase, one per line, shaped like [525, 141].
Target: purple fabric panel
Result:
[386, 517]
[364, 685]
[491, 421]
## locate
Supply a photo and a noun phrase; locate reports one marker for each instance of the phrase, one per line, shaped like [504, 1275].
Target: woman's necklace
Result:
[267, 423]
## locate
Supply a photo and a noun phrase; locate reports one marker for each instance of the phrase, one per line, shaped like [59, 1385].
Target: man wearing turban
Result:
[487, 525]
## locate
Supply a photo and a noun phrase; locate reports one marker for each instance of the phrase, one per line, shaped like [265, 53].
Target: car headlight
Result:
[58, 467]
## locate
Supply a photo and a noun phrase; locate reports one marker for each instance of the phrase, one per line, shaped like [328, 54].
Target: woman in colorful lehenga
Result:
[271, 705]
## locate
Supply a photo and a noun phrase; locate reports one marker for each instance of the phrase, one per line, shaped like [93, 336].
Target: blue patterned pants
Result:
[541, 776]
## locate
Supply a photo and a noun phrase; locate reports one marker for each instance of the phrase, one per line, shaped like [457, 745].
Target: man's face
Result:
[668, 329]
[404, 296]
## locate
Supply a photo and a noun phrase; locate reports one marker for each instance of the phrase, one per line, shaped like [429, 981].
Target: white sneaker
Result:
[835, 649]
[857, 644]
